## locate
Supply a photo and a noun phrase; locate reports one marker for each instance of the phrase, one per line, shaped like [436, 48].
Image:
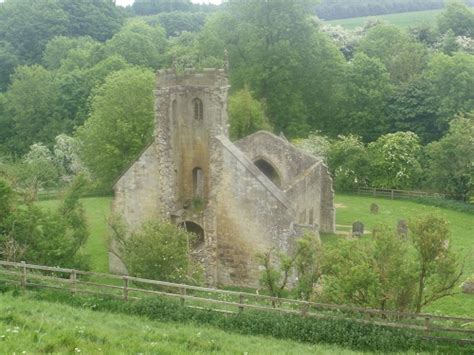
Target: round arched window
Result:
[198, 109]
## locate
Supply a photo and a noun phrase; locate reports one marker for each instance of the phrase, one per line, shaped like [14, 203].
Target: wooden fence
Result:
[395, 194]
[433, 327]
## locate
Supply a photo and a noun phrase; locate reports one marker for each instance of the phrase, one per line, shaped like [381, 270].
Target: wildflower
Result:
[77, 350]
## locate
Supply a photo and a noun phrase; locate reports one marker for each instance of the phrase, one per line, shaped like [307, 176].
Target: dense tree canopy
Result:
[288, 71]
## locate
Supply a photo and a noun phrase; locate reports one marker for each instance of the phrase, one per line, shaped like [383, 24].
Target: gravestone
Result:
[402, 228]
[468, 286]
[374, 208]
[357, 229]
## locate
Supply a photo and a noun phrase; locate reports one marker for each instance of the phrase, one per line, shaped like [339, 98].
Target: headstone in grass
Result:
[374, 208]
[468, 286]
[357, 229]
[402, 228]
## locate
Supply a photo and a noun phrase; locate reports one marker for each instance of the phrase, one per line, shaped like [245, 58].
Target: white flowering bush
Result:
[395, 160]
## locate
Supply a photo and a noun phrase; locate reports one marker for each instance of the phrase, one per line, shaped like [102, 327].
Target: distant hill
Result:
[340, 9]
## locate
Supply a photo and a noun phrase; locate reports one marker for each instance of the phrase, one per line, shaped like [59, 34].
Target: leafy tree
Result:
[402, 56]
[366, 97]
[394, 160]
[315, 144]
[8, 61]
[59, 48]
[176, 23]
[46, 237]
[414, 108]
[450, 166]
[139, 44]
[438, 271]
[32, 108]
[120, 125]
[389, 272]
[305, 262]
[151, 7]
[282, 57]
[246, 115]
[348, 161]
[6, 201]
[458, 18]
[28, 25]
[35, 171]
[452, 78]
[160, 251]
[99, 19]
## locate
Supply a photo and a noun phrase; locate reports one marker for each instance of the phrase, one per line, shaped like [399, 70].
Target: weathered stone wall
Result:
[289, 161]
[136, 198]
[252, 216]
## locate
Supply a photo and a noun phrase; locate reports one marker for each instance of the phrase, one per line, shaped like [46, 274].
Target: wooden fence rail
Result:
[433, 327]
[396, 194]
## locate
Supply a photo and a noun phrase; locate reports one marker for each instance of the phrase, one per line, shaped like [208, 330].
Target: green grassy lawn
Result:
[350, 208]
[403, 20]
[353, 208]
[97, 211]
[32, 326]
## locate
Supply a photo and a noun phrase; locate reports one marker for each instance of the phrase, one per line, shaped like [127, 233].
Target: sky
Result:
[130, 2]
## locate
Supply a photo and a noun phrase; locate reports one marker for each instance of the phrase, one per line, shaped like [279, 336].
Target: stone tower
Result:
[191, 110]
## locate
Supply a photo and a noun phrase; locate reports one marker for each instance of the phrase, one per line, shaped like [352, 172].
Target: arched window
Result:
[198, 182]
[268, 169]
[198, 109]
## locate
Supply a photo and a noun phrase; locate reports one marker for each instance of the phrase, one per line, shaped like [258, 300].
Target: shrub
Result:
[159, 251]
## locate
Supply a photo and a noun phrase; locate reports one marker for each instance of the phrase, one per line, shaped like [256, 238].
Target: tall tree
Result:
[458, 18]
[366, 97]
[402, 56]
[120, 125]
[140, 44]
[450, 164]
[32, 108]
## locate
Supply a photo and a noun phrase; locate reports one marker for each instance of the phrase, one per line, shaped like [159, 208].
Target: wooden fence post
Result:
[427, 326]
[72, 278]
[375, 191]
[392, 194]
[125, 288]
[23, 274]
[182, 291]
[241, 302]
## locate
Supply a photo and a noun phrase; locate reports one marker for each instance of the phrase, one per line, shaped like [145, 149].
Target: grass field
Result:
[350, 208]
[403, 20]
[32, 326]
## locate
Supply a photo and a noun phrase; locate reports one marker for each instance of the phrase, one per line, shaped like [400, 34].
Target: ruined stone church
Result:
[240, 198]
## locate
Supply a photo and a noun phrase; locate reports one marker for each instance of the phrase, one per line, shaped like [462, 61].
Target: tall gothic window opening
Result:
[198, 109]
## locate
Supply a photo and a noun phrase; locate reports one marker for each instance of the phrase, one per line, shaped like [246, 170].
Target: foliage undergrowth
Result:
[349, 334]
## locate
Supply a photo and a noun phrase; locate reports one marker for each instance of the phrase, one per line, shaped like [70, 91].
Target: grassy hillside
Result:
[31, 326]
[349, 209]
[404, 20]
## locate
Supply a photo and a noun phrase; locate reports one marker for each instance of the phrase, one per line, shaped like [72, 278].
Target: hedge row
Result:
[348, 334]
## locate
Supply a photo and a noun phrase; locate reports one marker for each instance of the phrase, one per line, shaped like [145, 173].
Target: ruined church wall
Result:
[136, 198]
[305, 195]
[328, 209]
[252, 216]
[288, 161]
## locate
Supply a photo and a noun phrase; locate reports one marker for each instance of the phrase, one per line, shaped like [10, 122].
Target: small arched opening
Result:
[197, 242]
[198, 183]
[269, 171]
[198, 109]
